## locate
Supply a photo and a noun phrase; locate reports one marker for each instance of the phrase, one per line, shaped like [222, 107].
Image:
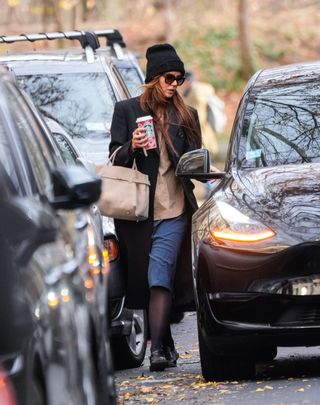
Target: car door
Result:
[55, 282]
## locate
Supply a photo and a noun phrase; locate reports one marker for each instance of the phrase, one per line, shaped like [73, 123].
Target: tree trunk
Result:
[245, 40]
[74, 17]
[45, 15]
[168, 19]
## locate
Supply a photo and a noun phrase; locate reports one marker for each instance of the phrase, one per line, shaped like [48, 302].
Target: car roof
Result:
[285, 75]
[88, 57]
[114, 47]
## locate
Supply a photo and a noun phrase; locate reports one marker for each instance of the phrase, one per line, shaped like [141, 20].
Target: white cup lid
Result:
[145, 118]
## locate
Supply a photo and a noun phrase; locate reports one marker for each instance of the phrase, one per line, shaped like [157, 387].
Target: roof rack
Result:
[84, 37]
[88, 39]
[114, 39]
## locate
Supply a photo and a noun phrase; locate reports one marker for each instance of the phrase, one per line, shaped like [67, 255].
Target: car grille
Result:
[299, 316]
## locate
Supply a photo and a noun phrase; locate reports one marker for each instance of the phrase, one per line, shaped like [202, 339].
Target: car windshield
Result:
[82, 103]
[281, 127]
[132, 80]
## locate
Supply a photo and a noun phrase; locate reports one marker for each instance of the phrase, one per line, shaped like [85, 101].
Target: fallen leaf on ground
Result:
[146, 390]
[128, 395]
[185, 356]
[151, 400]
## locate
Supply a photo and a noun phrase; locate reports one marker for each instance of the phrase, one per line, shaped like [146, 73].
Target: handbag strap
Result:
[113, 156]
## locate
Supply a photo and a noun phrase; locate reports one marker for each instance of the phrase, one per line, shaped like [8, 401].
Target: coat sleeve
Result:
[121, 136]
[197, 142]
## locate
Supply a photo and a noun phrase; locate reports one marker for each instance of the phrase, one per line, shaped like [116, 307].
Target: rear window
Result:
[82, 103]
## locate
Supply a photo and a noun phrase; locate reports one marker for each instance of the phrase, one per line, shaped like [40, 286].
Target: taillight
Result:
[7, 396]
[112, 248]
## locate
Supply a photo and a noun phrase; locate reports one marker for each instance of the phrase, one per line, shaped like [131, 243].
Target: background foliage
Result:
[207, 33]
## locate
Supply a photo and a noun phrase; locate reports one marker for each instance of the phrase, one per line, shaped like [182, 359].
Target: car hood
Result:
[288, 196]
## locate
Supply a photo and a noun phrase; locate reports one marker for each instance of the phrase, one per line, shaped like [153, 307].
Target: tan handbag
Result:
[125, 192]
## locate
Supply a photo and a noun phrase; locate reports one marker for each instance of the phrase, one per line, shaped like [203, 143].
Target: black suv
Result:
[46, 342]
[78, 87]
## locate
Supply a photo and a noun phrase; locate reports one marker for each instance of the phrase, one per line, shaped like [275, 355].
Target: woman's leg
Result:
[166, 241]
[159, 316]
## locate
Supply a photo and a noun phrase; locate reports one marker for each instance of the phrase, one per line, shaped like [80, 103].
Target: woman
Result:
[152, 249]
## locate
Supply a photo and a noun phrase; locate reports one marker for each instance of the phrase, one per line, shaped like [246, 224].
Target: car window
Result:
[66, 150]
[26, 127]
[7, 162]
[132, 80]
[282, 126]
[81, 102]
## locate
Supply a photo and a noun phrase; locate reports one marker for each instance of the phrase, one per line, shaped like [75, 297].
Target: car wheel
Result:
[217, 367]
[112, 393]
[129, 351]
[101, 353]
[176, 317]
[37, 392]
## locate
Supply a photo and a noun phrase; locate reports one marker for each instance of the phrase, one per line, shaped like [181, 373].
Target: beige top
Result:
[169, 196]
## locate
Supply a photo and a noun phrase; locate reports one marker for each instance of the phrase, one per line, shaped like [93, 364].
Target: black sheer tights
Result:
[159, 318]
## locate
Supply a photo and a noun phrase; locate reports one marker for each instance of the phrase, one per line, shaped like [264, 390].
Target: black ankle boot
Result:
[171, 355]
[158, 361]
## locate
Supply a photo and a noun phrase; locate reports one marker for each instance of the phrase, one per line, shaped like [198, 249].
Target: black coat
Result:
[135, 237]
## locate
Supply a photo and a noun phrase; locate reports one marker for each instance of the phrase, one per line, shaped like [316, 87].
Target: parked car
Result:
[97, 276]
[47, 341]
[78, 87]
[256, 252]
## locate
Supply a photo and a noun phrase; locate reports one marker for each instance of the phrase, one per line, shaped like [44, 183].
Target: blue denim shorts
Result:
[167, 238]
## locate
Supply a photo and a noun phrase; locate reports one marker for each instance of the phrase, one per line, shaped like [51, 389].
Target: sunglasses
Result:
[169, 78]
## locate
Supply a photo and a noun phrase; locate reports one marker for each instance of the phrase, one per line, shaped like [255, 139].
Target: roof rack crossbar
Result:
[112, 37]
[77, 35]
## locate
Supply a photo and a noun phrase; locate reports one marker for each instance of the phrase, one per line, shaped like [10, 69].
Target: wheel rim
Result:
[136, 339]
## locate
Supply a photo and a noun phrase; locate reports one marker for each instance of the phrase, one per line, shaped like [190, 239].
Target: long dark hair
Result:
[153, 102]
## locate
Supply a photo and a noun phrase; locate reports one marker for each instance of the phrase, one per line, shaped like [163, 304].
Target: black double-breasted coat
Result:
[135, 237]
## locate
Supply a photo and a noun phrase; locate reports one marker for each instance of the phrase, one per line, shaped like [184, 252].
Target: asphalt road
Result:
[291, 379]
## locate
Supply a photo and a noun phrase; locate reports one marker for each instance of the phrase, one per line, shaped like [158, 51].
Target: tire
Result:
[176, 317]
[37, 396]
[129, 351]
[105, 383]
[112, 393]
[217, 367]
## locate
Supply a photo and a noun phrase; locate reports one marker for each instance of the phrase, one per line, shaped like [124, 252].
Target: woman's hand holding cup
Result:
[139, 138]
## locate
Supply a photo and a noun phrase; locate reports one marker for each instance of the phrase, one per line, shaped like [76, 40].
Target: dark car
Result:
[78, 87]
[47, 344]
[256, 250]
[97, 276]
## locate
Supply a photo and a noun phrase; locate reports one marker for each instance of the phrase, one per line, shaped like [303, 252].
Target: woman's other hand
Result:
[214, 169]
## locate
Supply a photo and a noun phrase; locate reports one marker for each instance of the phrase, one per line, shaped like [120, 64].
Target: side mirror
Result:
[196, 165]
[28, 226]
[75, 187]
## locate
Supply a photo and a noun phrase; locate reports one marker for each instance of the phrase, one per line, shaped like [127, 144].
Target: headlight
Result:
[231, 225]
